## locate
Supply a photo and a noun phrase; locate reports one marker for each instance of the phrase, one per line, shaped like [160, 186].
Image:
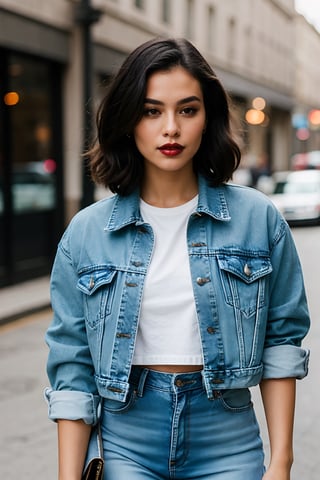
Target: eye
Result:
[151, 112]
[189, 111]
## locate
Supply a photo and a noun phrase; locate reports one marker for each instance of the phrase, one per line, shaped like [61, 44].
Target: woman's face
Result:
[171, 128]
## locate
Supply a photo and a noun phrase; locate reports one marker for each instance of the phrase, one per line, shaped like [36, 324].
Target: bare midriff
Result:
[174, 368]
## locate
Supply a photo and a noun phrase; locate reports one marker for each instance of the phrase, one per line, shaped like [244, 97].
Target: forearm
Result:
[73, 438]
[278, 396]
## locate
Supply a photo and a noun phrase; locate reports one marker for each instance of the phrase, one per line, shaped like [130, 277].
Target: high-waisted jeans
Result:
[169, 429]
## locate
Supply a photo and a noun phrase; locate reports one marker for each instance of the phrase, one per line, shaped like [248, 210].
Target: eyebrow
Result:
[192, 98]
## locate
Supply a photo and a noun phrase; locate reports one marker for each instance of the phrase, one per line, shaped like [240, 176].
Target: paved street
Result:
[28, 440]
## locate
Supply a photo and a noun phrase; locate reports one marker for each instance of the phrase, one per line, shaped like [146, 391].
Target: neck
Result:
[167, 191]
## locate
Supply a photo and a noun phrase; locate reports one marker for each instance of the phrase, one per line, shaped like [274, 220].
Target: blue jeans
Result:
[169, 429]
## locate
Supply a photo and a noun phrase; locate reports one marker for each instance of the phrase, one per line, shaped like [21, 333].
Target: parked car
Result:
[303, 161]
[297, 196]
[33, 188]
[279, 180]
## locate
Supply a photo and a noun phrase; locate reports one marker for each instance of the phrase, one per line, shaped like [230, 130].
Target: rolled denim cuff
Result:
[285, 361]
[72, 405]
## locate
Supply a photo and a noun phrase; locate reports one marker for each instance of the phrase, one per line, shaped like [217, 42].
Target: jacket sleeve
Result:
[73, 393]
[288, 316]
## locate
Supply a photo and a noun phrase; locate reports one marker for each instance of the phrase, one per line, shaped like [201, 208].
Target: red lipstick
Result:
[171, 149]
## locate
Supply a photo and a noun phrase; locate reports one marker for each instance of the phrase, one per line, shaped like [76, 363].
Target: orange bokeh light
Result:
[255, 117]
[11, 98]
[314, 117]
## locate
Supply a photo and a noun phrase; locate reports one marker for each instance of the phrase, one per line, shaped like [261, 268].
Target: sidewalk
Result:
[23, 299]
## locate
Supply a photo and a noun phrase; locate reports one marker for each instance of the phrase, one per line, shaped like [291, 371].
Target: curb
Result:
[25, 298]
[24, 313]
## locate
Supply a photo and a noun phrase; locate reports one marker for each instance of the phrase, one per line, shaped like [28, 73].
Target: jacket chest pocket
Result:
[243, 279]
[97, 285]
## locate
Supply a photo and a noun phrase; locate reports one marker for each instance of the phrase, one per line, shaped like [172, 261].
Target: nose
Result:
[171, 126]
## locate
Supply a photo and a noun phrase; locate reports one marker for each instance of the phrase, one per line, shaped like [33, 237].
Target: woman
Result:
[175, 295]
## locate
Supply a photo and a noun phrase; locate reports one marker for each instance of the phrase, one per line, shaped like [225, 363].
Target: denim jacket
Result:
[247, 284]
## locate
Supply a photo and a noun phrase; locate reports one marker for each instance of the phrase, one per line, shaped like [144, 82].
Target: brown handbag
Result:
[94, 470]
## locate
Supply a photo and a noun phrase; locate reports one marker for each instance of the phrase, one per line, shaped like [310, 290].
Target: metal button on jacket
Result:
[211, 330]
[247, 270]
[202, 281]
[217, 380]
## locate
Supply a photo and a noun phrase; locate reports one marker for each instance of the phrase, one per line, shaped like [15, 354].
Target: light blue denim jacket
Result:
[247, 284]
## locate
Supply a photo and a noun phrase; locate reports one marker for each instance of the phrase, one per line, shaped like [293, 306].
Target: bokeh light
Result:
[258, 103]
[314, 117]
[49, 165]
[255, 117]
[302, 134]
[11, 98]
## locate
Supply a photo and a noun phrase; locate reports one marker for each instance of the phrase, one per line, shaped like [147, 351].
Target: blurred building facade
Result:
[306, 113]
[261, 51]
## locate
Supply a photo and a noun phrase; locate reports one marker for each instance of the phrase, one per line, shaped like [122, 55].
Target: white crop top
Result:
[168, 332]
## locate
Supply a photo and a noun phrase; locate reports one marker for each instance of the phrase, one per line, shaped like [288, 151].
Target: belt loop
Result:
[142, 379]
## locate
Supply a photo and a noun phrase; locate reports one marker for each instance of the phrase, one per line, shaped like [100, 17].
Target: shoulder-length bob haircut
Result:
[115, 161]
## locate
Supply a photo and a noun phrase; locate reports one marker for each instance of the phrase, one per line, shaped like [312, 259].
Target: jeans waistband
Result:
[176, 382]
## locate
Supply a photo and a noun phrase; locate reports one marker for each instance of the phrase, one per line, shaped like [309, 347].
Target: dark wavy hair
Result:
[115, 161]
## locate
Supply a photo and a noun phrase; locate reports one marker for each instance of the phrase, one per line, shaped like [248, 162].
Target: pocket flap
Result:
[90, 281]
[247, 268]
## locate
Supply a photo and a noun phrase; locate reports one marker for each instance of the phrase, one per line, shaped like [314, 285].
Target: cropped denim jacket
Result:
[247, 284]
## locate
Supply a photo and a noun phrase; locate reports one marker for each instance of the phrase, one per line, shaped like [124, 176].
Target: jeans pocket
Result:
[117, 407]
[236, 400]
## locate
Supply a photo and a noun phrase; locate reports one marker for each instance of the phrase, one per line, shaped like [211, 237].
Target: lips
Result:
[171, 149]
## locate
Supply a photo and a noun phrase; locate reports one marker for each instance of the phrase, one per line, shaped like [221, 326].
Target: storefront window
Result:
[29, 159]
[30, 114]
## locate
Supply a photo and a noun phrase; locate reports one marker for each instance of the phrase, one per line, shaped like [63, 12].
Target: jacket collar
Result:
[126, 211]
